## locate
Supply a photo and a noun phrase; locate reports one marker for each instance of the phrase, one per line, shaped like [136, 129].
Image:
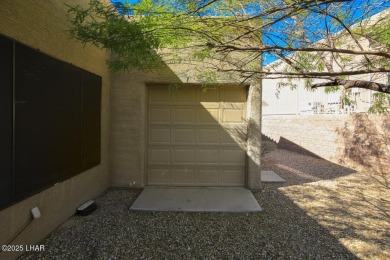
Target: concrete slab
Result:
[196, 200]
[271, 176]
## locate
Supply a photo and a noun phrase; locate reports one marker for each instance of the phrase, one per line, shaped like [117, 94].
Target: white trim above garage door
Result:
[195, 138]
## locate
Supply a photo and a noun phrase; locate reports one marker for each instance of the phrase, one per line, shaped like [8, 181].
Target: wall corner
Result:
[254, 137]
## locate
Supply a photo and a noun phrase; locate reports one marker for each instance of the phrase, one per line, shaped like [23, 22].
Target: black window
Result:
[6, 120]
[53, 121]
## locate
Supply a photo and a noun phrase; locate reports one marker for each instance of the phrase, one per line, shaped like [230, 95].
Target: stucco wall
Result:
[356, 140]
[42, 25]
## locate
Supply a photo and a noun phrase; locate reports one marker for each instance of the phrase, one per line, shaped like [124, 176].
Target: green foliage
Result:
[331, 89]
[230, 36]
[346, 99]
[308, 83]
[130, 46]
[174, 87]
[207, 77]
[201, 54]
[380, 104]
[146, 28]
[380, 33]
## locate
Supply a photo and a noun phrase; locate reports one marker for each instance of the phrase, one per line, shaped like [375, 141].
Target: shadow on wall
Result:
[299, 169]
[286, 144]
[366, 143]
[289, 145]
[266, 138]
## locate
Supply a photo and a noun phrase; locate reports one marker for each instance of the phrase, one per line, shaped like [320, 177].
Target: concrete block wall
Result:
[357, 140]
[43, 25]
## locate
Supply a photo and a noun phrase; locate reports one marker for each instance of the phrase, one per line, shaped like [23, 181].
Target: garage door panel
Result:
[184, 115]
[184, 176]
[210, 105]
[234, 135]
[233, 95]
[233, 177]
[159, 176]
[228, 138]
[160, 96]
[233, 157]
[208, 156]
[233, 105]
[184, 156]
[230, 115]
[208, 136]
[184, 136]
[197, 139]
[159, 115]
[209, 116]
[210, 96]
[208, 176]
[159, 136]
[159, 155]
[185, 96]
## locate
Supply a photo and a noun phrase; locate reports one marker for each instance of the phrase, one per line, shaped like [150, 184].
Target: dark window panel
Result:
[47, 123]
[91, 120]
[6, 120]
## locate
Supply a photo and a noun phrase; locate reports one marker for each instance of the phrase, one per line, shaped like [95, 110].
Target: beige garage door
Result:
[195, 138]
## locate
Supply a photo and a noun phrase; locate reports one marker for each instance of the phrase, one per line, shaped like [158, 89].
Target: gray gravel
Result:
[281, 231]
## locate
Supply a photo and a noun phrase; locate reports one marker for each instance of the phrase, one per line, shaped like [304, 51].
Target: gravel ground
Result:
[291, 226]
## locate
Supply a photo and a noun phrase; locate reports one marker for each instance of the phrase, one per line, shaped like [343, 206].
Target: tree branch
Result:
[307, 49]
[309, 74]
[347, 29]
[347, 84]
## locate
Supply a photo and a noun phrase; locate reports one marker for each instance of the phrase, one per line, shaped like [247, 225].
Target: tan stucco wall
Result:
[42, 25]
[254, 137]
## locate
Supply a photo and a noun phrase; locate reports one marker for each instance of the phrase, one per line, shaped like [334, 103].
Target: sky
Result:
[355, 17]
